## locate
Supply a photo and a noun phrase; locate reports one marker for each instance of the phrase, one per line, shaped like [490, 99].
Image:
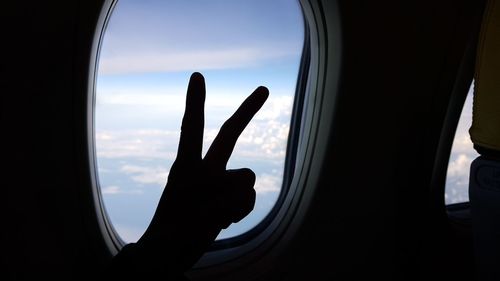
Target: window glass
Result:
[149, 50]
[462, 154]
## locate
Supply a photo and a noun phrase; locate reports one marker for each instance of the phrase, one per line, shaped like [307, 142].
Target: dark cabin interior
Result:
[378, 212]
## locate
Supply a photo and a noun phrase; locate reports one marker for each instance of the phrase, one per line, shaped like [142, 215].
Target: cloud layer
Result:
[265, 137]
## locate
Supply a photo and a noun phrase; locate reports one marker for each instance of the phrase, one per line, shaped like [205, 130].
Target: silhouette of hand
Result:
[201, 197]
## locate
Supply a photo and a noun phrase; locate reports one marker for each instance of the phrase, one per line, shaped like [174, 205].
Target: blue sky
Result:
[149, 51]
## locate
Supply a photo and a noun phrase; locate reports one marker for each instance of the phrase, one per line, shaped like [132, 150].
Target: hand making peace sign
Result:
[201, 197]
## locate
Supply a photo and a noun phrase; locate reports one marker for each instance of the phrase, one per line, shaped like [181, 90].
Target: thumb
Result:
[240, 185]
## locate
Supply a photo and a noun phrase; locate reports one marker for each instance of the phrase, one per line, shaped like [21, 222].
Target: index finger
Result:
[219, 152]
[191, 140]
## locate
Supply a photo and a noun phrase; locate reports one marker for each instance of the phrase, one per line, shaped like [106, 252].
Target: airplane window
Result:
[148, 52]
[462, 154]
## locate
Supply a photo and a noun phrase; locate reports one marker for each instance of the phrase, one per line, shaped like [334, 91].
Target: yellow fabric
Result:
[485, 129]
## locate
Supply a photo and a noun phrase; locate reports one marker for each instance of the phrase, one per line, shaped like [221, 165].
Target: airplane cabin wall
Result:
[378, 212]
[46, 231]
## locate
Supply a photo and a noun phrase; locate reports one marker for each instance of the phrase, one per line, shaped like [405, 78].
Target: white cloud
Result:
[457, 177]
[154, 144]
[147, 175]
[113, 189]
[266, 183]
[264, 138]
[263, 141]
[142, 97]
[462, 154]
[462, 143]
[460, 166]
[276, 107]
[174, 60]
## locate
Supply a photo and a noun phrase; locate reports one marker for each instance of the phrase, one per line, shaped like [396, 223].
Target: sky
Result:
[462, 154]
[149, 50]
